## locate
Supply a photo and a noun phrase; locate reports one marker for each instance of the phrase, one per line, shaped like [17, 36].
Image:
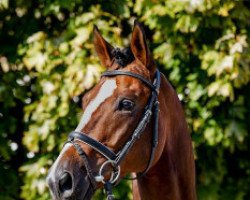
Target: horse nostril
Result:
[65, 182]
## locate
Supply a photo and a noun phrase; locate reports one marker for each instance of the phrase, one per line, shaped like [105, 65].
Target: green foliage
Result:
[47, 60]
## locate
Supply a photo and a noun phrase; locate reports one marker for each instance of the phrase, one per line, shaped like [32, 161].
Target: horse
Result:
[132, 123]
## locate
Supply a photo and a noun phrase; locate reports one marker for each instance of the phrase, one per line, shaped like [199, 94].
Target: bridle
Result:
[115, 159]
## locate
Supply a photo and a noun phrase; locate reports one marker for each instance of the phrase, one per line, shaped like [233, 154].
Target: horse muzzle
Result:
[68, 177]
[70, 186]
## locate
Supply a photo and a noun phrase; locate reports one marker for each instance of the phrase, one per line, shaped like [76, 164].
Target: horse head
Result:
[112, 111]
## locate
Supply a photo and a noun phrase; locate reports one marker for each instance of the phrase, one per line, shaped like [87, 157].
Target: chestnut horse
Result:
[117, 135]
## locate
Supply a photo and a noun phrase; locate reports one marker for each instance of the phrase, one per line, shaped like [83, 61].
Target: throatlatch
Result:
[114, 159]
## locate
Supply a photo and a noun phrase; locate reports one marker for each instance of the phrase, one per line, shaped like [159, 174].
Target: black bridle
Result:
[115, 159]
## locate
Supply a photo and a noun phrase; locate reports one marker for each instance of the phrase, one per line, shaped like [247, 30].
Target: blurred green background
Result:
[47, 61]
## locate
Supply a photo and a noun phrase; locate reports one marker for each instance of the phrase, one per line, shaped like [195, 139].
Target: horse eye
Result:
[126, 104]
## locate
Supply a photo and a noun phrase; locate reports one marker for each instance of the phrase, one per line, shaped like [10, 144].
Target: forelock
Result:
[123, 56]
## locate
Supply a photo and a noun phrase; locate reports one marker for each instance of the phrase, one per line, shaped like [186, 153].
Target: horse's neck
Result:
[172, 176]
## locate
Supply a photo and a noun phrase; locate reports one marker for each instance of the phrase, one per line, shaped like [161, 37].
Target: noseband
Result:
[114, 159]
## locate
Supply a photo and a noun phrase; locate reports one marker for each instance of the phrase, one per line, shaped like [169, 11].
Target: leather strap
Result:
[83, 155]
[99, 147]
[152, 105]
[86, 163]
[126, 73]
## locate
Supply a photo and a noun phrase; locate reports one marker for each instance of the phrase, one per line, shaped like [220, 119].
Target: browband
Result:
[127, 73]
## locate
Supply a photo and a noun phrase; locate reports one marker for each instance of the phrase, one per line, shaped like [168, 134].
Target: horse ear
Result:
[139, 46]
[102, 48]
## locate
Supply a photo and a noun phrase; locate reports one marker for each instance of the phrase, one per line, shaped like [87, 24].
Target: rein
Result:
[114, 159]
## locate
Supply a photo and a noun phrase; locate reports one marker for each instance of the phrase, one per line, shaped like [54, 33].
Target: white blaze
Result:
[107, 89]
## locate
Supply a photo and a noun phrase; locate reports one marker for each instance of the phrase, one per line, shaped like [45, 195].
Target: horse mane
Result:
[122, 56]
